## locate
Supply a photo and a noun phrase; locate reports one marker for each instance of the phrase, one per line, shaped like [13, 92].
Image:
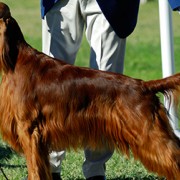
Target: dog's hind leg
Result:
[36, 154]
[159, 150]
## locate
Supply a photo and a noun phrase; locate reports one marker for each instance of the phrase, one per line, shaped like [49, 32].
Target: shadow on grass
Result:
[129, 178]
[136, 178]
[6, 153]
[149, 177]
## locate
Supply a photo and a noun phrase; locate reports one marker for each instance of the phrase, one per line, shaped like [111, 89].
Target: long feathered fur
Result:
[47, 105]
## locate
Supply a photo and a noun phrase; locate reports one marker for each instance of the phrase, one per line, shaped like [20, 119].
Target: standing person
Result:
[107, 23]
[175, 5]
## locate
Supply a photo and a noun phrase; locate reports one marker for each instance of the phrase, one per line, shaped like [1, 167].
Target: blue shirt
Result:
[121, 14]
[174, 4]
[46, 5]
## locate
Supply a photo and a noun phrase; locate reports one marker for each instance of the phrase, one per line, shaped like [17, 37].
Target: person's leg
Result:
[107, 53]
[107, 49]
[56, 159]
[94, 164]
[62, 31]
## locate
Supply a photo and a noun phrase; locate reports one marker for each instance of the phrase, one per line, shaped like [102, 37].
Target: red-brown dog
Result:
[47, 105]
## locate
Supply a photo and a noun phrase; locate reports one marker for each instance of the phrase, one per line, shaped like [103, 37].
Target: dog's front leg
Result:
[36, 154]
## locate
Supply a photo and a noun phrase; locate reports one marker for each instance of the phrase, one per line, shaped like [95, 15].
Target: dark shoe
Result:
[97, 178]
[55, 176]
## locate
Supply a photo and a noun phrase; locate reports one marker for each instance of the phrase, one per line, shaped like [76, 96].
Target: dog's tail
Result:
[163, 85]
[169, 86]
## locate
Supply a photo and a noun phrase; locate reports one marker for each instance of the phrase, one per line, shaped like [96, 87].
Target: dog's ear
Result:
[4, 48]
[11, 38]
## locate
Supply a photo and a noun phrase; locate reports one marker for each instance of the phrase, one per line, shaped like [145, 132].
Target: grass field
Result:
[143, 60]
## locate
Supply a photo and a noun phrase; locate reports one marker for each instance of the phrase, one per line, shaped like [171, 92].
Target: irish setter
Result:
[46, 104]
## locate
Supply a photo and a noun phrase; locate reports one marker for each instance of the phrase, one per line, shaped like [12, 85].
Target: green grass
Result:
[143, 60]
[143, 55]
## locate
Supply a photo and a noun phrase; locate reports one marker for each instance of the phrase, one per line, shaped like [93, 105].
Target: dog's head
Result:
[10, 39]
